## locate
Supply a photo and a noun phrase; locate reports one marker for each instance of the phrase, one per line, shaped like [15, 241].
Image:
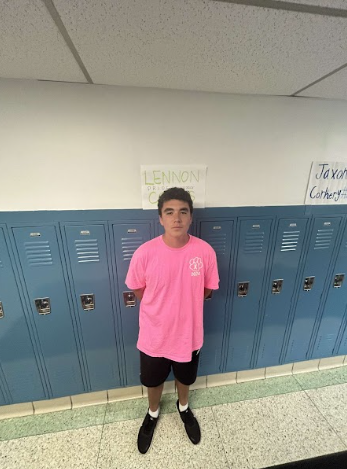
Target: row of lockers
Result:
[65, 327]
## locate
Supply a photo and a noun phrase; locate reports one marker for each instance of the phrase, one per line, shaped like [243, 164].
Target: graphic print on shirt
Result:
[195, 265]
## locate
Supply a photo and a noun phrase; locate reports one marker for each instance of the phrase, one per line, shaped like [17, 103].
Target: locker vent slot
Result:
[87, 250]
[129, 246]
[38, 253]
[254, 242]
[218, 242]
[323, 239]
[290, 240]
[1, 264]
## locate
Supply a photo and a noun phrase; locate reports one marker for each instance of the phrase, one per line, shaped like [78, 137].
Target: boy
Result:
[171, 275]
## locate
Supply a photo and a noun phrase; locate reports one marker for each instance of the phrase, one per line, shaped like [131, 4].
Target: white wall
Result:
[74, 146]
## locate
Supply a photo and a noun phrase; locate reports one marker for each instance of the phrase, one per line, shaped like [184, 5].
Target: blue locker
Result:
[127, 238]
[342, 349]
[17, 358]
[40, 262]
[219, 235]
[334, 308]
[252, 254]
[91, 279]
[5, 397]
[288, 250]
[320, 250]
[3, 401]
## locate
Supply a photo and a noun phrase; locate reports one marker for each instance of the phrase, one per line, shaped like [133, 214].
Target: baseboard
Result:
[135, 392]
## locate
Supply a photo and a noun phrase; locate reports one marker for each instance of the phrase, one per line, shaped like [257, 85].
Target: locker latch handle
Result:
[308, 283]
[338, 280]
[43, 305]
[88, 301]
[277, 286]
[242, 289]
[1, 310]
[129, 299]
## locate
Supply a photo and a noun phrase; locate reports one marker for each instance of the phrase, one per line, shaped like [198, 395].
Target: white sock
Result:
[182, 407]
[154, 414]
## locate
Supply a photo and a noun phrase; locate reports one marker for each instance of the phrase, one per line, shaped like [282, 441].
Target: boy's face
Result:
[175, 218]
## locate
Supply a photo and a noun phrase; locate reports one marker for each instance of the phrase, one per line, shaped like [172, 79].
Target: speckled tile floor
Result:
[248, 425]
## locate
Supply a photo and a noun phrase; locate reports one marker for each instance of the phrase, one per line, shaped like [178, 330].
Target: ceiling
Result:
[264, 47]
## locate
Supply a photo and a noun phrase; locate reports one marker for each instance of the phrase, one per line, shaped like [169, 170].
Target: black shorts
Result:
[155, 370]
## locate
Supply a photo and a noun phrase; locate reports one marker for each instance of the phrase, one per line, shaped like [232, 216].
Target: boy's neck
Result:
[174, 242]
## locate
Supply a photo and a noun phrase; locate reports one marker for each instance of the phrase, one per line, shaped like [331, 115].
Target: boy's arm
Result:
[207, 292]
[139, 293]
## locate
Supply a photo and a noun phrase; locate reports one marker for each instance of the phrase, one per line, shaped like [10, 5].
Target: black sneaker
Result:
[146, 431]
[190, 424]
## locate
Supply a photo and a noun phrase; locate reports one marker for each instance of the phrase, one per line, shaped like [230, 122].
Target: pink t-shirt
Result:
[171, 310]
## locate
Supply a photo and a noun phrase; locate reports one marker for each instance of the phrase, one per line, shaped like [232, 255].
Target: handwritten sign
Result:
[155, 179]
[327, 184]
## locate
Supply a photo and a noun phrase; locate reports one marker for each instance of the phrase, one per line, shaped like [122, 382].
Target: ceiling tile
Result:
[203, 45]
[334, 87]
[31, 45]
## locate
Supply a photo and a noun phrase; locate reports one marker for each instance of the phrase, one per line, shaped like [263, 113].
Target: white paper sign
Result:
[327, 184]
[155, 179]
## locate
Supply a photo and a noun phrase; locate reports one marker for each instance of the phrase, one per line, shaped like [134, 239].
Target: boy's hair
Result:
[176, 193]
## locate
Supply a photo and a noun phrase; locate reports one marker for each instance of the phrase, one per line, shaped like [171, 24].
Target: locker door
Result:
[319, 254]
[342, 350]
[17, 358]
[219, 235]
[90, 271]
[251, 259]
[127, 238]
[3, 401]
[288, 250]
[40, 261]
[334, 308]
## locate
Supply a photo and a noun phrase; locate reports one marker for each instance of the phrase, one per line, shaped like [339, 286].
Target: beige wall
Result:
[74, 146]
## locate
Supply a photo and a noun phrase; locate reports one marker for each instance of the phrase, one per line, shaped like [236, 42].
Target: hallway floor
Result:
[249, 425]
